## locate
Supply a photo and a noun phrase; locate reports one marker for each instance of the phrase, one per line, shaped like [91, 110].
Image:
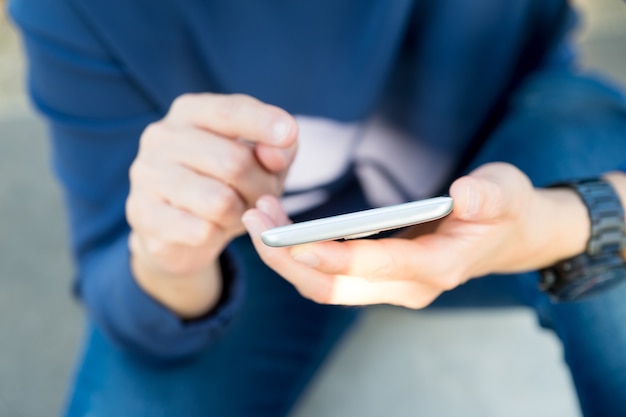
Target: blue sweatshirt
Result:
[100, 71]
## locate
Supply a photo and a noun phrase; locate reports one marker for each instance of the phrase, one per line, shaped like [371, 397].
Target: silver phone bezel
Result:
[358, 224]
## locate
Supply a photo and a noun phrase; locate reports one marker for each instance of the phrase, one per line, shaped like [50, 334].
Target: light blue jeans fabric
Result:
[559, 127]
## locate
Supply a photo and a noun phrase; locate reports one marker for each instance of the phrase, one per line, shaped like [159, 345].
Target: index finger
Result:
[235, 116]
[388, 259]
[332, 288]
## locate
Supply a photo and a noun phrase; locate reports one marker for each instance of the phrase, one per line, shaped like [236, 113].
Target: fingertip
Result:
[265, 215]
[284, 130]
[254, 223]
[266, 204]
[270, 205]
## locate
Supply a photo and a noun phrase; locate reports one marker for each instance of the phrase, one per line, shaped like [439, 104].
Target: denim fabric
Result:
[257, 368]
[564, 127]
[559, 127]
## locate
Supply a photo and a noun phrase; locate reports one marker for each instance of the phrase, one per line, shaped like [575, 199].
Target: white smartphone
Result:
[359, 224]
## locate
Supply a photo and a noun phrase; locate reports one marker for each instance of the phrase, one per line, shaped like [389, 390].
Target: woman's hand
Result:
[499, 224]
[197, 170]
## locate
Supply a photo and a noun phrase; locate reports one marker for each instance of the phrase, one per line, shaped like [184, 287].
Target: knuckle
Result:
[174, 232]
[496, 203]
[182, 102]
[185, 229]
[385, 268]
[232, 106]
[131, 210]
[154, 135]
[139, 217]
[135, 171]
[142, 174]
[244, 100]
[156, 247]
[386, 264]
[153, 128]
[226, 203]
[198, 234]
[236, 164]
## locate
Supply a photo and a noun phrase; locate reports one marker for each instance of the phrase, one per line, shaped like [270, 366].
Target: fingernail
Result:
[253, 226]
[281, 130]
[265, 207]
[305, 257]
[474, 198]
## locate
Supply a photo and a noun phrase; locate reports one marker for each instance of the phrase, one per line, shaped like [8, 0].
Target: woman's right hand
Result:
[197, 171]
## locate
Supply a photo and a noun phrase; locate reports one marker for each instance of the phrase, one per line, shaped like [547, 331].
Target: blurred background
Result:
[394, 363]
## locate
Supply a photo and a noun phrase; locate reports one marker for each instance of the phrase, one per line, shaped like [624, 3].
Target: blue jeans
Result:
[559, 127]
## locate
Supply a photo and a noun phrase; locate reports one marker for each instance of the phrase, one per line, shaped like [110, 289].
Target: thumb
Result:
[489, 192]
[275, 159]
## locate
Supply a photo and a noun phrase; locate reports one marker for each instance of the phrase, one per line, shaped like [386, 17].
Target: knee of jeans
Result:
[572, 134]
[566, 91]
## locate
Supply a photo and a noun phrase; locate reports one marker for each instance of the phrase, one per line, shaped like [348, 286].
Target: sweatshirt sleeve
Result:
[95, 115]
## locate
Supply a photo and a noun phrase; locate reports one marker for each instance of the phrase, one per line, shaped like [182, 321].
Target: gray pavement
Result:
[394, 363]
[39, 323]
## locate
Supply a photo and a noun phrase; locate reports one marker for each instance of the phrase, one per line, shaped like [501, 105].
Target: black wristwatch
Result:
[602, 265]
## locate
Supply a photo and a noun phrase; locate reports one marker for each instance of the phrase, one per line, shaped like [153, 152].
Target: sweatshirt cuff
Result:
[136, 321]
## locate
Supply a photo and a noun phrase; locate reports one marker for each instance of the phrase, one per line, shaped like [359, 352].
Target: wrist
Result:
[188, 296]
[564, 225]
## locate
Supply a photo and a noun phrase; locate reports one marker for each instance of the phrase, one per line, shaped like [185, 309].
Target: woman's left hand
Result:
[499, 224]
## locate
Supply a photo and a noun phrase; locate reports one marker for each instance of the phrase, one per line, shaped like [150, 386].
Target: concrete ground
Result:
[395, 362]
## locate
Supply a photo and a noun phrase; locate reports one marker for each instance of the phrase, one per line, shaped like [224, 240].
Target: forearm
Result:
[561, 225]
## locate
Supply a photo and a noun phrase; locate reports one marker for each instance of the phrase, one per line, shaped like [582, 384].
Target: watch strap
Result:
[606, 214]
[601, 266]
